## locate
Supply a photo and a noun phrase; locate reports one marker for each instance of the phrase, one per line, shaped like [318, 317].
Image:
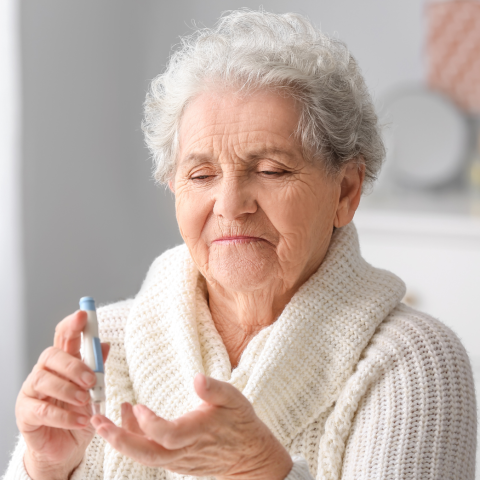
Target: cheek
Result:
[192, 211]
[302, 215]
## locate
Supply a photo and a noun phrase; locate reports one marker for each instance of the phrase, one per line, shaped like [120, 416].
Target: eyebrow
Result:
[250, 156]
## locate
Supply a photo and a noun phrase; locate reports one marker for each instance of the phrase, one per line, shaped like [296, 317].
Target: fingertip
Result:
[96, 421]
[105, 350]
[201, 381]
[100, 423]
[79, 318]
[126, 408]
[102, 430]
[141, 411]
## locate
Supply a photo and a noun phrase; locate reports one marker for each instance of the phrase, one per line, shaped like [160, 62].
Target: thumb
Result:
[105, 350]
[218, 393]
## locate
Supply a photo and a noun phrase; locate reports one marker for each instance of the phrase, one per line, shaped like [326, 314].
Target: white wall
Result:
[386, 37]
[11, 292]
[93, 220]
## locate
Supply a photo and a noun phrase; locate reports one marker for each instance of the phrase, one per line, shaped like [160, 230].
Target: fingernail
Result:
[82, 396]
[88, 378]
[82, 420]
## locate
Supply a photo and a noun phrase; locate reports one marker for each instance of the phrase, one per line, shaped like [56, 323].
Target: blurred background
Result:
[80, 214]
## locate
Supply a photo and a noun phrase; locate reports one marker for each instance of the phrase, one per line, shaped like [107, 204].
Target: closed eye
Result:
[271, 172]
[201, 177]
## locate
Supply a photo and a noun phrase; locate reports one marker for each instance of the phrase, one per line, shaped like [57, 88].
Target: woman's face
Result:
[253, 213]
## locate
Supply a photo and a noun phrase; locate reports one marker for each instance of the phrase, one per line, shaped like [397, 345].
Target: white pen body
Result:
[92, 354]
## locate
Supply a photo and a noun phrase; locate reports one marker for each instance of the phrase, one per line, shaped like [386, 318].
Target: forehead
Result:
[261, 121]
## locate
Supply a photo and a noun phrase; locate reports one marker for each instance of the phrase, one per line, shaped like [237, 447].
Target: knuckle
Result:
[61, 333]
[65, 389]
[38, 378]
[43, 410]
[19, 408]
[116, 438]
[28, 381]
[168, 437]
[58, 330]
[245, 411]
[73, 366]
[60, 326]
[169, 440]
[150, 458]
[20, 419]
[67, 418]
[47, 355]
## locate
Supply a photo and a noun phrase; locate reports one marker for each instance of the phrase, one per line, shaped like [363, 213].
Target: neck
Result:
[238, 317]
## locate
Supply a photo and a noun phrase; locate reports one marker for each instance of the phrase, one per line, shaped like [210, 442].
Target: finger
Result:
[157, 428]
[137, 447]
[34, 413]
[68, 333]
[218, 393]
[67, 366]
[105, 350]
[180, 433]
[42, 383]
[129, 421]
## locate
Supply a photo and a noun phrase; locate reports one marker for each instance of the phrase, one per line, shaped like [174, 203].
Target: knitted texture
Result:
[16, 469]
[300, 470]
[348, 378]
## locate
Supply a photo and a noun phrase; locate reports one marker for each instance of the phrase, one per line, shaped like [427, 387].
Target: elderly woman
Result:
[265, 347]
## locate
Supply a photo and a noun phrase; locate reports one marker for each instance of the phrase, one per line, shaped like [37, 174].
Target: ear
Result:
[351, 181]
[171, 186]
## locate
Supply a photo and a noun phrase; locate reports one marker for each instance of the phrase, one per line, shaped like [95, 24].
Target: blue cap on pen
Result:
[87, 303]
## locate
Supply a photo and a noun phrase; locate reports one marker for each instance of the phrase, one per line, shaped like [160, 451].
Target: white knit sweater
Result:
[348, 378]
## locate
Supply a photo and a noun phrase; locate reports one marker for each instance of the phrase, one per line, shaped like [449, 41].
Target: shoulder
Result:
[420, 407]
[420, 339]
[426, 355]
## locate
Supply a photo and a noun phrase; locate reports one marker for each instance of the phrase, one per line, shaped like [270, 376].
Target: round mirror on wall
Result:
[427, 139]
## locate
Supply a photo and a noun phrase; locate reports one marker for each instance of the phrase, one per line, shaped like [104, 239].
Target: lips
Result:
[238, 239]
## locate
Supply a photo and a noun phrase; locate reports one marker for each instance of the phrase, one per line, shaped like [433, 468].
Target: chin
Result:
[242, 269]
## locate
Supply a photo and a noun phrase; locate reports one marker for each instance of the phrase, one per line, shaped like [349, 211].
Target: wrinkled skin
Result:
[222, 437]
[257, 219]
[242, 173]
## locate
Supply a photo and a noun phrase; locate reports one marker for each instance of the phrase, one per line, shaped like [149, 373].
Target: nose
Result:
[234, 199]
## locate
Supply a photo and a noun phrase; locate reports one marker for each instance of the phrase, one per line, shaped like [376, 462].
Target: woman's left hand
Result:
[223, 437]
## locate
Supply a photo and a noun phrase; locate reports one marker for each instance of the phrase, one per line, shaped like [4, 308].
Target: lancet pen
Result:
[92, 354]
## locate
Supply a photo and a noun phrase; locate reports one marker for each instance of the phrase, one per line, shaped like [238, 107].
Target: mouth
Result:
[237, 239]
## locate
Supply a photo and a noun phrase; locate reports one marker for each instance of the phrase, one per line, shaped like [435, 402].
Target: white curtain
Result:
[11, 296]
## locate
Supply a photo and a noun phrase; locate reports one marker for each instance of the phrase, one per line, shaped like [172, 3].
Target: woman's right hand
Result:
[53, 407]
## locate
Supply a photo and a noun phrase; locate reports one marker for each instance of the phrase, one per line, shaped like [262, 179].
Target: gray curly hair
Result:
[252, 50]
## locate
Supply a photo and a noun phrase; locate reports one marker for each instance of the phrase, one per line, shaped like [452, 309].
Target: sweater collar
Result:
[292, 371]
